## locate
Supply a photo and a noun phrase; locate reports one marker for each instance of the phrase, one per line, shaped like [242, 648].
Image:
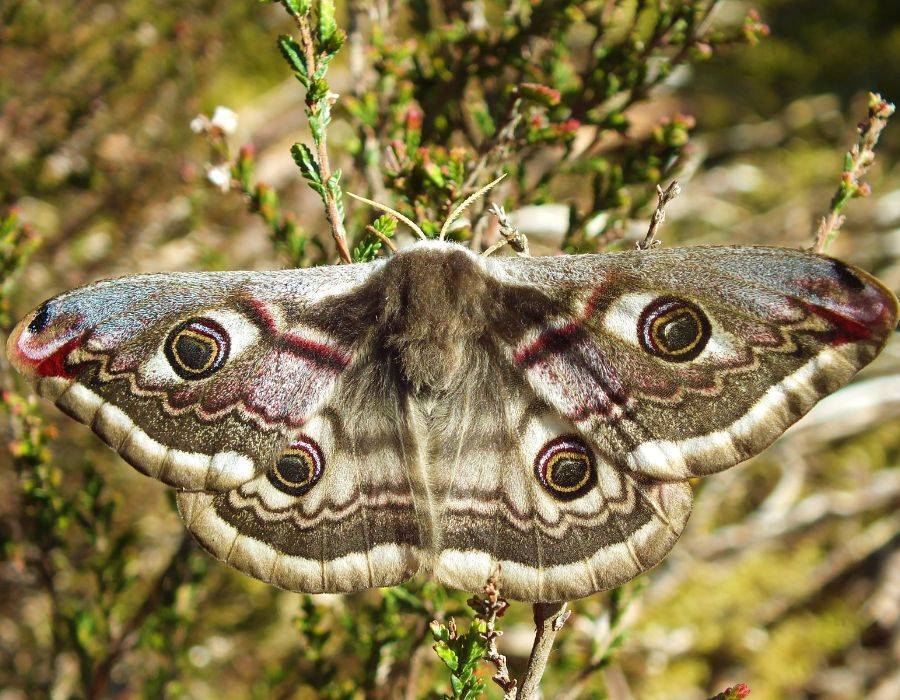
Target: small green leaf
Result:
[307, 162]
[448, 656]
[457, 685]
[327, 24]
[433, 171]
[334, 43]
[334, 188]
[317, 89]
[293, 54]
[296, 8]
[387, 225]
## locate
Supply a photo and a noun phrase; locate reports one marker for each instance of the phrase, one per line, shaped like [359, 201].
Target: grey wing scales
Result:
[495, 510]
[227, 387]
[618, 378]
[355, 527]
[341, 428]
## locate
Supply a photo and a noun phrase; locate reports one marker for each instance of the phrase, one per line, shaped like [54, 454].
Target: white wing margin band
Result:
[762, 423]
[188, 470]
[607, 568]
[345, 574]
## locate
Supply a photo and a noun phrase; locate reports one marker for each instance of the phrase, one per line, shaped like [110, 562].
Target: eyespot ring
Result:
[197, 348]
[298, 468]
[673, 329]
[565, 467]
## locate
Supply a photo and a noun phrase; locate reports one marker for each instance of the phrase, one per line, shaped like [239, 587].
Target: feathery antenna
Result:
[393, 212]
[454, 215]
[460, 208]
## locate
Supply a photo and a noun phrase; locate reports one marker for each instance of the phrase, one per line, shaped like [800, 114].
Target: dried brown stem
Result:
[489, 606]
[549, 619]
[331, 206]
[664, 196]
[510, 235]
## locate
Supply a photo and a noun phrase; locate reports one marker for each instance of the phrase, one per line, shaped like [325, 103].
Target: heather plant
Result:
[415, 106]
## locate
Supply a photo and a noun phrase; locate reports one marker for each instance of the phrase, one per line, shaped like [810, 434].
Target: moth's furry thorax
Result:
[438, 299]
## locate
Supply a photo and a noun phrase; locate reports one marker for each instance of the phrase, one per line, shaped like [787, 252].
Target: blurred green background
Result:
[788, 575]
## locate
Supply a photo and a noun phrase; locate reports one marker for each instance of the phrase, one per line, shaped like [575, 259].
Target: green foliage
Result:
[358, 646]
[857, 162]
[461, 654]
[383, 227]
[17, 243]
[585, 66]
[82, 556]
[309, 167]
[309, 61]
[262, 199]
[293, 54]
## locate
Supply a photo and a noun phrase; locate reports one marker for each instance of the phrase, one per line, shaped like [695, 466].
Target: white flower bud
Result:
[225, 119]
[199, 124]
[220, 176]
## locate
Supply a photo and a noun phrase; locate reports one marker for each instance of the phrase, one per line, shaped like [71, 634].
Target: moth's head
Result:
[40, 342]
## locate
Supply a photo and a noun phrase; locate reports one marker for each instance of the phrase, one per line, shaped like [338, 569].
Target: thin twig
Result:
[549, 619]
[857, 162]
[489, 607]
[381, 237]
[509, 234]
[664, 196]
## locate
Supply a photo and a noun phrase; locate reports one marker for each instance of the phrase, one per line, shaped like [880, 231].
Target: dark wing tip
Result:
[861, 308]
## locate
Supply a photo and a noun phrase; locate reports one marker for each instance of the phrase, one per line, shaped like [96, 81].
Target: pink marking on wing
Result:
[871, 313]
[581, 386]
[262, 316]
[54, 365]
[550, 342]
[320, 353]
[292, 342]
[845, 328]
[559, 339]
[591, 307]
[854, 304]
[44, 354]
